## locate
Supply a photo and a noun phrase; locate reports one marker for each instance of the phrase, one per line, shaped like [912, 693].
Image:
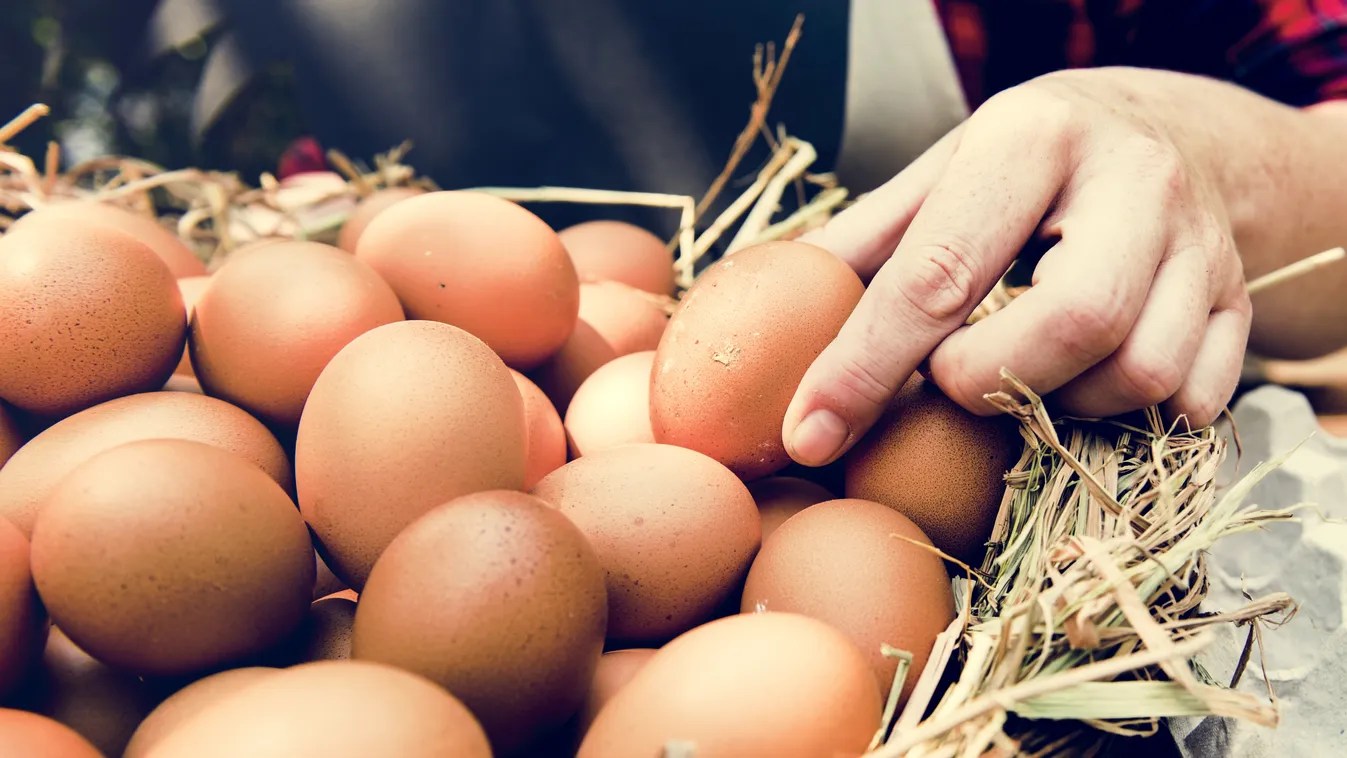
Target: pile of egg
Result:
[459, 485]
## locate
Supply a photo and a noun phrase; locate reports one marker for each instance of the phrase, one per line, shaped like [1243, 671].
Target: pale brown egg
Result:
[173, 541]
[615, 669]
[188, 702]
[939, 465]
[612, 406]
[34, 471]
[23, 623]
[93, 315]
[28, 735]
[546, 435]
[832, 560]
[331, 709]
[780, 497]
[759, 684]
[498, 597]
[738, 346]
[180, 383]
[620, 252]
[326, 632]
[272, 319]
[365, 211]
[406, 417]
[11, 436]
[481, 263]
[191, 288]
[675, 532]
[166, 244]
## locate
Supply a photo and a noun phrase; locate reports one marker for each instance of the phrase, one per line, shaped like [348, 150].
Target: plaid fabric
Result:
[1293, 51]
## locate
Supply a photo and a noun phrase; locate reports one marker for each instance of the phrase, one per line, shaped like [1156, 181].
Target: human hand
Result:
[1140, 301]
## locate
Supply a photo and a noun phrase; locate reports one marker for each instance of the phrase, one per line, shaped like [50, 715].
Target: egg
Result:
[28, 735]
[272, 319]
[180, 383]
[612, 406]
[187, 702]
[332, 709]
[91, 313]
[674, 530]
[169, 248]
[325, 582]
[546, 435]
[620, 252]
[191, 288]
[500, 599]
[760, 684]
[11, 435]
[780, 497]
[34, 471]
[481, 263]
[177, 542]
[738, 346]
[365, 211]
[326, 633]
[23, 624]
[406, 417]
[840, 562]
[615, 669]
[938, 464]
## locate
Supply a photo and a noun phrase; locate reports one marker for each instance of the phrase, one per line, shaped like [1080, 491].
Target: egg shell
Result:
[34, 471]
[738, 346]
[272, 319]
[325, 582]
[332, 709]
[620, 252]
[365, 211]
[11, 434]
[500, 599]
[481, 263]
[28, 735]
[616, 668]
[938, 464]
[180, 383]
[612, 406]
[780, 497]
[406, 417]
[92, 314]
[23, 623]
[191, 288]
[188, 702]
[839, 562]
[175, 542]
[674, 530]
[760, 684]
[546, 435]
[326, 633]
[169, 248]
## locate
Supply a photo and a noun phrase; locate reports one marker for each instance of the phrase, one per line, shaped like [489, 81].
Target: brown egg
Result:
[272, 319]
[481, 263]
[759, 684]
[170, 248]
[325, 582]
[188, 702]
[191, 288]
[620, 252]
[180, 383]
[738, 346]
[500, 599]
[615, 669]
[546, 436]
[832, 561]
[93, 315]
[326, 633]
[36, 469]
[780, 497]
[175, 542]
[406, 417]
[11, 436]
[674, 530]
[939, 465]
[612, 406]
[23, 624]
[365, 211]
[332, 709]
[28, 735]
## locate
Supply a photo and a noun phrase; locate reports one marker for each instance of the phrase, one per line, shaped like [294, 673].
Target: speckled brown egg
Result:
[481, 263]
[620, 252]
[406, 417]
[28, 735]
[23, 623]
[738, 346]
[939, 465]
[191, 288]
[92, 314]
[365, 211]
[11, 436]
[500, 599]
[273, 318]
[170, 248]
[833, 560]
[326, 632]
[331, 709]
[780, 497]
[39, 465]
[176, 543]
[612, 406]
[674, 529]
[187, 702]
[760, 684]
[616, 668]
[546, 435]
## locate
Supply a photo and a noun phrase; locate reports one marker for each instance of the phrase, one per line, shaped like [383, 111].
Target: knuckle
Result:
[862, 380]
[938, 281]
[1035, 110]
[1163, 163]
[1150, 378]
[1198, 408]
[1090, 329]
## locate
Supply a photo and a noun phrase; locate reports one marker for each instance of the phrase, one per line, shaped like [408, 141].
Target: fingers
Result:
[1216, 366]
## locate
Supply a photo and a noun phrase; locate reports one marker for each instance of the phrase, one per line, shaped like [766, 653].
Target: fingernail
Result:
[817, 439]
